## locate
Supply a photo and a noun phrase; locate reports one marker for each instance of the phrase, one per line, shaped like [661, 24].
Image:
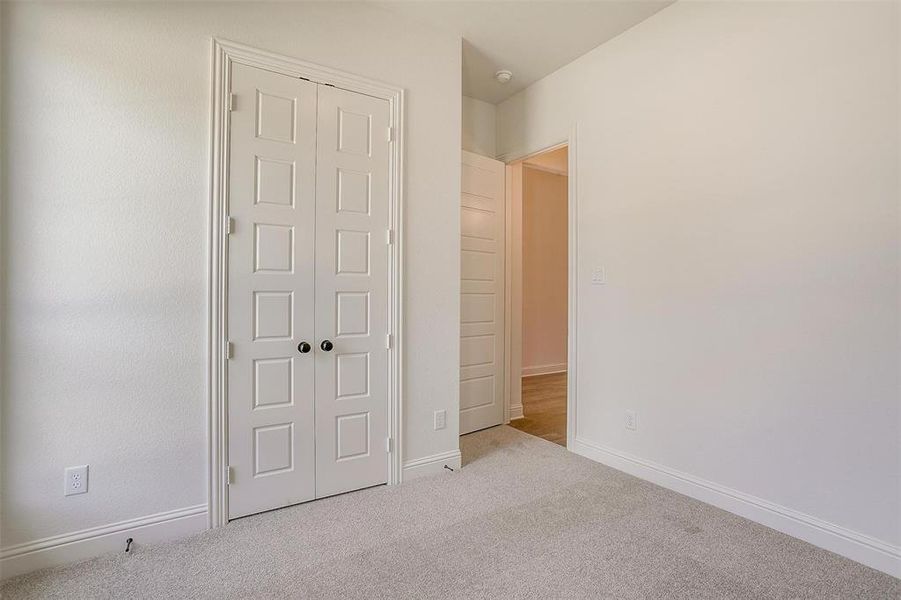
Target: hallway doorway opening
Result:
[538, 186]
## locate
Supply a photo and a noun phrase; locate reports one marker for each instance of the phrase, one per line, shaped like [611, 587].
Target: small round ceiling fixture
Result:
[503, 76]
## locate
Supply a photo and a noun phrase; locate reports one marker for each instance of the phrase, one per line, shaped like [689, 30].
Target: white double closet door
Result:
[307, 291]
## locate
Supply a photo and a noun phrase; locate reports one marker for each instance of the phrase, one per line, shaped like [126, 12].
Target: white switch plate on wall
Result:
[599, 276]
[76, 481]
[631, 420]
[440, 419]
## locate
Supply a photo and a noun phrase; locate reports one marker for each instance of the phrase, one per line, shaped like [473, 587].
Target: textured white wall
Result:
[106, 134]
[479, 126]
[738, 177]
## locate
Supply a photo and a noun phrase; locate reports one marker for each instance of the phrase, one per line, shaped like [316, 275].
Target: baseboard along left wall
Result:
[88, 543]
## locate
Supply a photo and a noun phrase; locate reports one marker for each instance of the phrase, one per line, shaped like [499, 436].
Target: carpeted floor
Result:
[523, 519]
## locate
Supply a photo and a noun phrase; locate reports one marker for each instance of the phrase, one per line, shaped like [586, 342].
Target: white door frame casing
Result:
[224, 54]
[569, 139]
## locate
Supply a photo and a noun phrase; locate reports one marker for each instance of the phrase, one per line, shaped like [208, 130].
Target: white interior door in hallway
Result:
[307, 291]
[482, 226]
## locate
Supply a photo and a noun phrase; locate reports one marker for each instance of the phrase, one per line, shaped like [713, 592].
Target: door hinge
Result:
[229, 475]
[388, 444]
[229, 350]
[391, 134]
[232, 102]
[389, 236]
[388, 341]
[230, 225]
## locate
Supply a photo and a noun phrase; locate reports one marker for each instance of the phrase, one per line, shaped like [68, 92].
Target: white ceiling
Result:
[531, 38]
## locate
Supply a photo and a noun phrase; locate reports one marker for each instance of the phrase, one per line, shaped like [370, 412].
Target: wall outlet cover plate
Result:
[76, 480]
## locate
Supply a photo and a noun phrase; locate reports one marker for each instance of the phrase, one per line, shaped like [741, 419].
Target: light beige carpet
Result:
[523, 519]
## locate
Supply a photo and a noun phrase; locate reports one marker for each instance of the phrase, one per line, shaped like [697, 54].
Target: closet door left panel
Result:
[271, 201]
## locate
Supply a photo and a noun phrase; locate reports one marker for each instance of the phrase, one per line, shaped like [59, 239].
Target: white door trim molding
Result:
[570, 140]
[510, 412]
[224, 53]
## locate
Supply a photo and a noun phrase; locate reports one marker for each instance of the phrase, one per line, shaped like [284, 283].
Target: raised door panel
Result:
[270, 290]
[482, 230]
[351, 291]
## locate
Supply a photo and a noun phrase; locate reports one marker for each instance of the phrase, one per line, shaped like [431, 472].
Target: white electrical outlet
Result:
[631, 420]
[440, 419]
[76, 481]
[599, 276]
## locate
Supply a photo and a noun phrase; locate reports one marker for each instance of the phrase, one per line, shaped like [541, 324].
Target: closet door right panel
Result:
[351, 291]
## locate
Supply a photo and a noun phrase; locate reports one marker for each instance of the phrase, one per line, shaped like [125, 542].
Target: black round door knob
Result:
[326, 345]
[304, 347]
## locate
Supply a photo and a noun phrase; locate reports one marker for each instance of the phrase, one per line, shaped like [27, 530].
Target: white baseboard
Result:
[859, 547]
[543, 370]
[516, 412]
[430, 465]
[88, 543]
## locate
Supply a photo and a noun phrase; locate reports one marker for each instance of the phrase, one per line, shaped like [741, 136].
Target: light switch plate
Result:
[440, 419]
[631, 420]
[599, 276]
